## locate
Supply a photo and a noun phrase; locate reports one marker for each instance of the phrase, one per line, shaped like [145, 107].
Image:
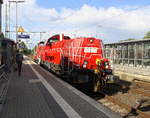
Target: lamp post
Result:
[16, 17]
[6, 21]
[1, 2]
[9, 20]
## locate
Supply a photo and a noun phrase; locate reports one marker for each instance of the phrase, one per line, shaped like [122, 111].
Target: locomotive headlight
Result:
[106, 66]
[84, 65]
[91, 40]
[85, 62]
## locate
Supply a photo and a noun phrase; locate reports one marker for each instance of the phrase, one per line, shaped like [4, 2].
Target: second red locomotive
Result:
[80, 58]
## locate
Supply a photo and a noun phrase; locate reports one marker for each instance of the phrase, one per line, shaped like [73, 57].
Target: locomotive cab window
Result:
[41, 43]
[67, 38]
[53, 40]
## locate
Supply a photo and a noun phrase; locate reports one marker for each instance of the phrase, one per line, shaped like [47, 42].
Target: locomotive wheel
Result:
[96, 84]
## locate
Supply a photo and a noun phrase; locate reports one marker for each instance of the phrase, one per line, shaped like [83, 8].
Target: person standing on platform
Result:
[19, 59]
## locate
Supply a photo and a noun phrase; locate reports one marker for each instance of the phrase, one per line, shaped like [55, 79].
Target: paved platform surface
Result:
[39, 94]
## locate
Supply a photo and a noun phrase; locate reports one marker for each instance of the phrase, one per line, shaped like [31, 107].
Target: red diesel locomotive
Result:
[81, 59]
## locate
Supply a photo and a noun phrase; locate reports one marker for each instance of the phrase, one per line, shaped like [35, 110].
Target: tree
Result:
[147, 35]
[130, 39]
[1, 35]
[34, 49]
[22, 45]
[24, 49]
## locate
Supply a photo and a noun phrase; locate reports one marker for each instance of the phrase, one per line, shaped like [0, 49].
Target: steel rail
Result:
[140, 91]
[142, 85]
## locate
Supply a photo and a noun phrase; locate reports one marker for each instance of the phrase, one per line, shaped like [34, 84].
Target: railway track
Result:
[140, 84]
[142, 88]
[141, 93]
[117, 105]
[126, 110]
[122, 108]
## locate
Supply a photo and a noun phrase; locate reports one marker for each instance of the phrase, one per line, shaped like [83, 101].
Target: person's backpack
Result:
[19, 57]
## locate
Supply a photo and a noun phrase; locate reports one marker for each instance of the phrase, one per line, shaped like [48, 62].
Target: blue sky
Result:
[109, 20]
[75, 4]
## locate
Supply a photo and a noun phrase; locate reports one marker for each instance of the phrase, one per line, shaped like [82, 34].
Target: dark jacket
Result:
[19, 57]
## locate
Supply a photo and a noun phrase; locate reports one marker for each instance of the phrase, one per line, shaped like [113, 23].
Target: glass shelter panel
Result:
[125, 54]
[131, 54]
[107, 52]
[135, 53]
[119, 54]
[146, 54]
[115, 55]
[139, 51]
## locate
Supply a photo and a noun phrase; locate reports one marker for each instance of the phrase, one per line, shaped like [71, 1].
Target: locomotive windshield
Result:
[52, 40]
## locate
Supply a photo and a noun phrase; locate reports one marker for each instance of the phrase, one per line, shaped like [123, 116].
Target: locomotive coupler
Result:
[109, 76]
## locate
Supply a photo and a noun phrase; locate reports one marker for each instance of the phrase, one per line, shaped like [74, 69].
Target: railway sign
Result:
[22, 36]
[21, 29]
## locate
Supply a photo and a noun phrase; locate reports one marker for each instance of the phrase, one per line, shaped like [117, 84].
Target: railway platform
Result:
[39, 94]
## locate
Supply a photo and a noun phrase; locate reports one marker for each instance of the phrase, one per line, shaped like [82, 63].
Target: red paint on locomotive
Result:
[61, 53]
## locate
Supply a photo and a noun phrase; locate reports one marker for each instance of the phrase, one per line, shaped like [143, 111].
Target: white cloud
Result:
[111, 24]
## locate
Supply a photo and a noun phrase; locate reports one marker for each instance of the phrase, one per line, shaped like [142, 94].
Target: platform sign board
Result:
[21, 46]
[23, 36]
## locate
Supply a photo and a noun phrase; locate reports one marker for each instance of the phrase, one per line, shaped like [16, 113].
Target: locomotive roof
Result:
[57, 35]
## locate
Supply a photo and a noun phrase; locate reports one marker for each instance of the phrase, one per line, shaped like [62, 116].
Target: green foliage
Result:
[22, 45]
[24, 49]
[27, 51]
[34, 49]
[130, 39]
[147, 35]
[1, 35]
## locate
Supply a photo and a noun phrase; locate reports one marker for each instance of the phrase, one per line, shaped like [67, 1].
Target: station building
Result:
[132, 57]
[132, 53]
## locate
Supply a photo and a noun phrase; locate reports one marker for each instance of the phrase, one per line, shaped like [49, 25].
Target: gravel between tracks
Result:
[126, 95]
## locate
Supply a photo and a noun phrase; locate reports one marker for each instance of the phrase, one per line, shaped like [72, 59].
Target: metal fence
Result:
[134, 53]
[7, 56]
[3, 83]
